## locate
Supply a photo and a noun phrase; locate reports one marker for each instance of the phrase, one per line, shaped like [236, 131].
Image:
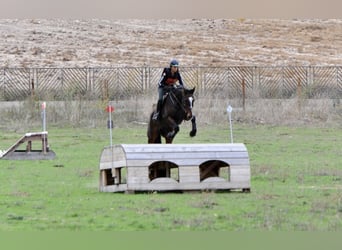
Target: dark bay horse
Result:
[177, 107]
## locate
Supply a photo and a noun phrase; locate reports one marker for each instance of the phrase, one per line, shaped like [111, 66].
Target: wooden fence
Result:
[233, 82]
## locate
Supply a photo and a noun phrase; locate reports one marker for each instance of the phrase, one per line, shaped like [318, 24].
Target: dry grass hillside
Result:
[195, 42]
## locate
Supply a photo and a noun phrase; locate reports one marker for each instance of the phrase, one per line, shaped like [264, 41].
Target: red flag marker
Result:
[109, 108]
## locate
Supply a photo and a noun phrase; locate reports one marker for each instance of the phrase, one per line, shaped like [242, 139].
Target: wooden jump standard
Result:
[43, 153]
[171, 167]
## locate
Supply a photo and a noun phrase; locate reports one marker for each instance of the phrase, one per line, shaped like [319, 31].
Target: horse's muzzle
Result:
[188, 116]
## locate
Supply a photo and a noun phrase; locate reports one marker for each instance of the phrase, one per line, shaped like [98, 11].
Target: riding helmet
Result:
[174, 62]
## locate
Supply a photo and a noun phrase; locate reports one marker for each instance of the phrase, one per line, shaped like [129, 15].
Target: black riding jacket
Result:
[169, 79]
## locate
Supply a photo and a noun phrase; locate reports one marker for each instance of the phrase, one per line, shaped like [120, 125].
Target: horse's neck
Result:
[174, 107]
[173, 101]
[178, 95]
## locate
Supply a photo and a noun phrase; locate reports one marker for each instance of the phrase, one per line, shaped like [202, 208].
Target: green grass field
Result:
[296, 185]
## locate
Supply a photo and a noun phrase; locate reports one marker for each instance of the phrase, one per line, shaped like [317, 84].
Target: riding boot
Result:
[156, 115]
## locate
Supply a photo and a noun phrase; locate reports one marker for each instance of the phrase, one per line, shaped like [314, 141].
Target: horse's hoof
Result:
[193, 133]
[170, 135]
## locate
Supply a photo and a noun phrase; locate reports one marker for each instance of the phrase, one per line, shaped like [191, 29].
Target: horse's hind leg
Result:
[158, 139]
[153, 134]
[168, 140]
[154, 137]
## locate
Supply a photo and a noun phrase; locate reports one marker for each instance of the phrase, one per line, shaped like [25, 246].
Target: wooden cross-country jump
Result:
[15, 152]
[174, 167]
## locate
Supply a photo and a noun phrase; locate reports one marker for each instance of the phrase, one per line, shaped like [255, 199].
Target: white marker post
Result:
[44, 126]
[110, 126]
[110, 109]
[44, 116]
[229, 111]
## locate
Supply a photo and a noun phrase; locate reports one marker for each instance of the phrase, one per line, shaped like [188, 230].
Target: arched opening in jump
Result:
[214, 169]
[163, 169]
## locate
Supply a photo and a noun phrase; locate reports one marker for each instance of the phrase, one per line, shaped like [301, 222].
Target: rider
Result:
[169, 77]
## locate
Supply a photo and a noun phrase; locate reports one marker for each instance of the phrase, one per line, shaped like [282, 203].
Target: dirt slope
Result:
[195, 42]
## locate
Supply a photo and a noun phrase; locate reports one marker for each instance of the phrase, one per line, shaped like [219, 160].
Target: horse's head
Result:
[188, 102]
[181, 101]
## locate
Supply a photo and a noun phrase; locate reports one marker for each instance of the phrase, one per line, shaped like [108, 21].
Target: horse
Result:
[177, 107]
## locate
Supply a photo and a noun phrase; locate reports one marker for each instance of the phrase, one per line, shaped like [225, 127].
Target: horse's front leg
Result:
[194, 126]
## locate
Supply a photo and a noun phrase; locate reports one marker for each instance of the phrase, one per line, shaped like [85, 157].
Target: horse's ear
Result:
[189, 91]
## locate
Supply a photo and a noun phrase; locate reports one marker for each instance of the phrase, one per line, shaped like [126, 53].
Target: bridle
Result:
[174, 100]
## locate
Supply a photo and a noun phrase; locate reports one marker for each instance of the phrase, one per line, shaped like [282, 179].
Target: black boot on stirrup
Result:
[156, 115]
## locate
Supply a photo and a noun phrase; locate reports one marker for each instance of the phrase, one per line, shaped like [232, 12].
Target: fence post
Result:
[31, 83]
[243, 94]
[89, 82]
[339, 78]
[32, 88]
[256, 80]
[299, 93]
[2, 84]
[105, 90]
